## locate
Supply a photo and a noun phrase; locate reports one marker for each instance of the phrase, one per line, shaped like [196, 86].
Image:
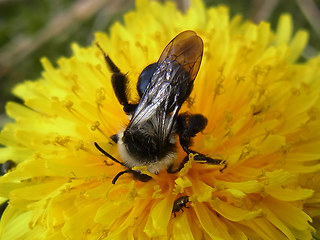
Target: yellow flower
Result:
[263, 116]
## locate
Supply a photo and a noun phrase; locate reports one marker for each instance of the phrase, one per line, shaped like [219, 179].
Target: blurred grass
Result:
[31, 29]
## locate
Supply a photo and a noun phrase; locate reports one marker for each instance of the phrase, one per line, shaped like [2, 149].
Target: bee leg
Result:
[137, 175]
[140, 176]
[115, 138]
[187, 127]
[120, 84]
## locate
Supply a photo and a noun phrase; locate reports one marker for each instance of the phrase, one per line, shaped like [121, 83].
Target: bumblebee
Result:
[150, 138]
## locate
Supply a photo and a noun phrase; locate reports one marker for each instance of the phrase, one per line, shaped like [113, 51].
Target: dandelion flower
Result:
[263, 116]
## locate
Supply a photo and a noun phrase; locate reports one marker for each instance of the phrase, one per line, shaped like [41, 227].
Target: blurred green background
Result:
[31, 29]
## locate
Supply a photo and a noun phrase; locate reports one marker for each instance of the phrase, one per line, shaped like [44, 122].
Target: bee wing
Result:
[170, 84]
[186, 49]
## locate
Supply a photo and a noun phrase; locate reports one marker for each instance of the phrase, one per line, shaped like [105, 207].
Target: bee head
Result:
[144, 144]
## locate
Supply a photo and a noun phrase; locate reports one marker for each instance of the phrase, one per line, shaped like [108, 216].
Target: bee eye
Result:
[145, 78]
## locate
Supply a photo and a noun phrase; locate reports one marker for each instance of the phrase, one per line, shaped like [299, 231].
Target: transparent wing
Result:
[171, 84]
[185, 49]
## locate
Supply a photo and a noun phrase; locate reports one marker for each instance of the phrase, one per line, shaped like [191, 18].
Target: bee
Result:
[150, 138]
[179, 204]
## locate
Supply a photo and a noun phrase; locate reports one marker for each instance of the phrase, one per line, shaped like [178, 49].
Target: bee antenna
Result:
[119, 175]
[107, 154]
[100, 48]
